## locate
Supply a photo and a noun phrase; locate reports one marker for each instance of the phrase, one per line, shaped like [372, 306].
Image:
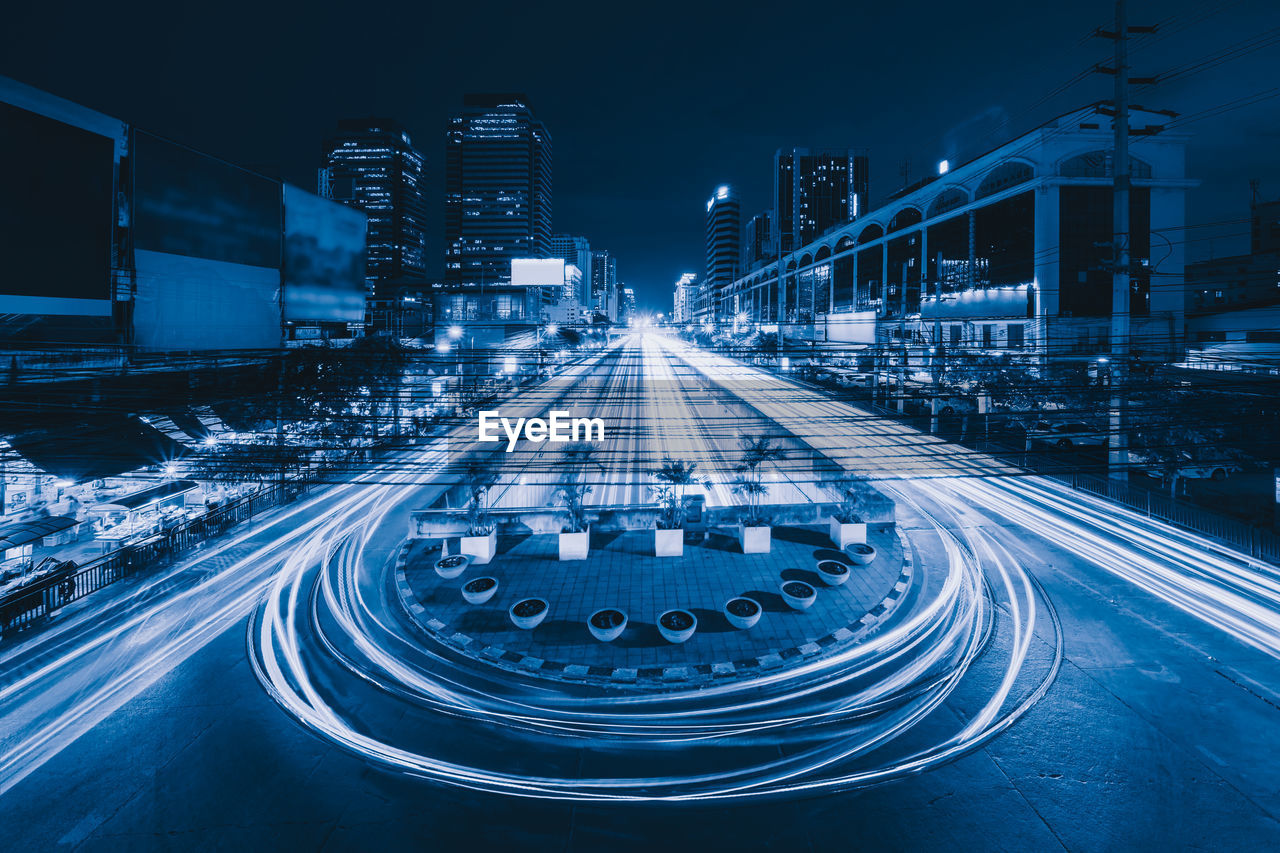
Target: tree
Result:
[479, 479]
[572, 492]
[852, 491]
[676, 477]
[755, 453]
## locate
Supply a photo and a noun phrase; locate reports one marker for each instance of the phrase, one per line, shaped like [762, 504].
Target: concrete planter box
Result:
[451, 566]
[833, 573]
[479, 590]
[844, 535]
[607, 625]
[798, 595]
[480, 548]
[528, 613]
[742, 612]
[676, 626]
[668, 543]
[861, 554]
[575, 546]
[755, 540]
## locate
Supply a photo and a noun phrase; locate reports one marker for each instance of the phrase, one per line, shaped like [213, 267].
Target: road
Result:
[147, 727]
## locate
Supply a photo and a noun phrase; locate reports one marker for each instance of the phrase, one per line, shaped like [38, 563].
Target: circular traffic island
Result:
[798, 595]
[676, 626]
[451, 566]
[833, 572]
[742, 612]
[528, 613]
[479, 590]
[607, 625]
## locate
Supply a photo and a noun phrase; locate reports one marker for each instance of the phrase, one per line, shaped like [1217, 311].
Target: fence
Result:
[1255, 541]
[31, 603]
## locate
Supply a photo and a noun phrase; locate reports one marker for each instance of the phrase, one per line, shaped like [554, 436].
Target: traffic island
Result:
[621, 575]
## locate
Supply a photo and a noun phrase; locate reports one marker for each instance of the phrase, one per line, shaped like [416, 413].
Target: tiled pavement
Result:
[622, 572]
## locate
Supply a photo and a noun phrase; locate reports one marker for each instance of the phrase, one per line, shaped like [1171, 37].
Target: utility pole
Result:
[1118, 453]
[902, 336]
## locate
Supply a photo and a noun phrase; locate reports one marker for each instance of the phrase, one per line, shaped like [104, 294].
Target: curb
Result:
[655, 677]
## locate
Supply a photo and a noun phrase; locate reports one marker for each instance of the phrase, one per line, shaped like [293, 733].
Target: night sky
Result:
[650, 105]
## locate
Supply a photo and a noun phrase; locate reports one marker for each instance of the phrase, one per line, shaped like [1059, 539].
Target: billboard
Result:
[188, 203]
[324, 259]
[188, 304]
[537, 272]
[55, 215]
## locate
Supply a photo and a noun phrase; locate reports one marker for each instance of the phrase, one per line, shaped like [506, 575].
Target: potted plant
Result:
[479, 590]
[861, 553]
[528, 613]
[607, 625]
[799, 595]
[676, 626]
[847, 525]
[754, 533]
[675, 477]
[742, 612]
[452, 565]
[833, 572]
[481, 541]
[575, 538]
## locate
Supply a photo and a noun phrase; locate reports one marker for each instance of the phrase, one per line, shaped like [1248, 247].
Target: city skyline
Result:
[202, 104]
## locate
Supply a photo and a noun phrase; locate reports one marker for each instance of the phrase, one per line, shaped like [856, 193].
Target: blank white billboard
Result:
[537, 272]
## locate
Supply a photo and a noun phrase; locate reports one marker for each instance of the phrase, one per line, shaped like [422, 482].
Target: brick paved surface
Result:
[622, 573]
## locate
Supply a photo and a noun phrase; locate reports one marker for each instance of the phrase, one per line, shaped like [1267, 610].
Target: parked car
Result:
[1068, 434]
[1190, 469]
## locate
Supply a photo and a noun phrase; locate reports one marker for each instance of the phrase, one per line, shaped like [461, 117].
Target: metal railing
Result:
[23, 607]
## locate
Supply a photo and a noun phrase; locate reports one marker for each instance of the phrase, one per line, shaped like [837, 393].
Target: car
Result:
[1190, 468]
[1069, 434]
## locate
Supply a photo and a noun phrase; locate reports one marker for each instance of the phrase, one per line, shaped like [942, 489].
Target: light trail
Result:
[842, 721]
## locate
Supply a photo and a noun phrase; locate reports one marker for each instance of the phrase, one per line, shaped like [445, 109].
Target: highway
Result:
[1085, 679]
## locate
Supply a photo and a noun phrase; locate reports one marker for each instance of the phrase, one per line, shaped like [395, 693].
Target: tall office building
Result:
[758, 241]
[371, 164]
[683, 298]
[604, 280]
[815, 191]
[497, 188]
[724, 247]
[577, 251]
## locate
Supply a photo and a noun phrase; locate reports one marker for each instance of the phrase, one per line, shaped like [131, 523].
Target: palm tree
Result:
[755, 452]
[479, 479]
[572, 492]
[676, 476]
[852, 490]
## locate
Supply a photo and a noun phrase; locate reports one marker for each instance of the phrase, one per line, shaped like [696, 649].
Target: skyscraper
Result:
[814, 191]
[758, 243]
[497, 188]
[577, 251]
[683, 298]
[724, 247]
[604, 280]
[371, 164]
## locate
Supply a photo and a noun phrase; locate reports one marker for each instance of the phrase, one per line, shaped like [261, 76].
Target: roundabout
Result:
[955, 665]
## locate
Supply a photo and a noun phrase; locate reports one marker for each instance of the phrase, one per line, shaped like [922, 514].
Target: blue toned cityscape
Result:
[575, 427]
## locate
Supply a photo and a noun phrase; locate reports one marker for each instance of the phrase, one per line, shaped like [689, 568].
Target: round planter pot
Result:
[607, 625]
[452, 565]
[742, 612]
[479, 590]
[862, 555]
[676, 626]
[833, 573]
[528, 613]
[798, 595]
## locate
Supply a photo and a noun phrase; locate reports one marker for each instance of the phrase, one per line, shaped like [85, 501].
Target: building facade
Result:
[757, 241]
[371, 164]
[683, 298]
[724, 250]
[497, 188]
[604, 284]
[576, 251]
[1010, 251]
[815, 191]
